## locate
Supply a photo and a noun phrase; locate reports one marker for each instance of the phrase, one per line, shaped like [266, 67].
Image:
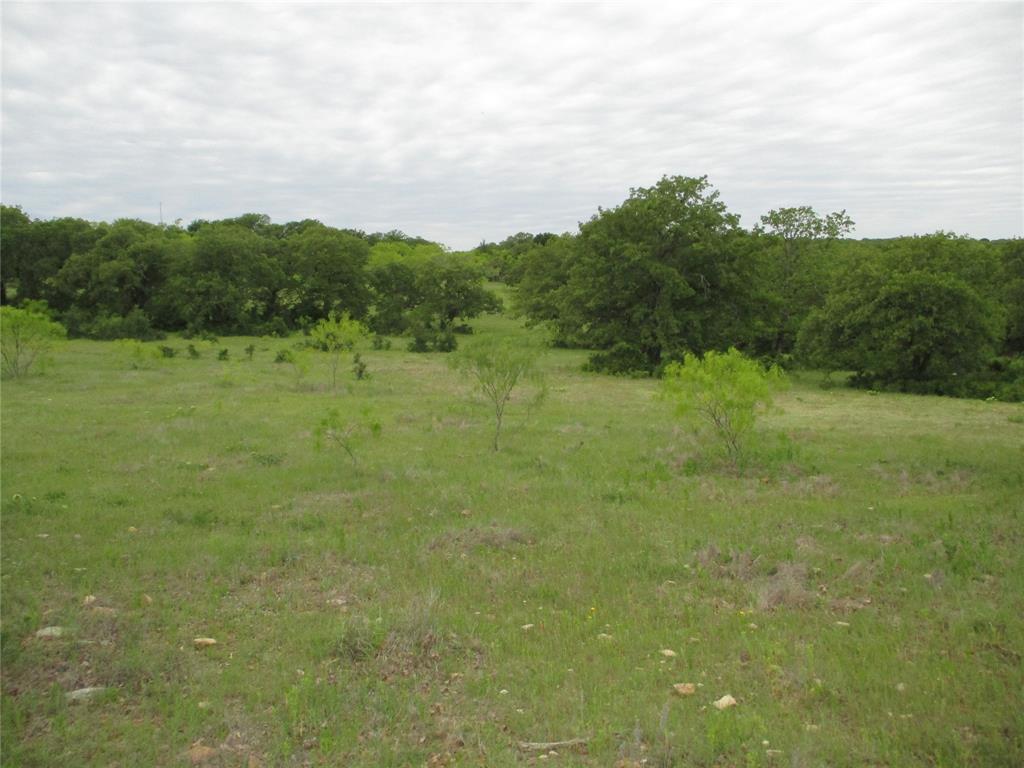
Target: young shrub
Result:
[359, 367]
[223, 354]
[337, 432]
[249, 351]
[496, 369]
[284, 356]
[166, 351]
[724, 391]
[193, 353]
[26, 336]
[336, 334]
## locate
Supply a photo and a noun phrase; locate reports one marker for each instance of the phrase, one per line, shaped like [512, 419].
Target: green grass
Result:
[858, 589]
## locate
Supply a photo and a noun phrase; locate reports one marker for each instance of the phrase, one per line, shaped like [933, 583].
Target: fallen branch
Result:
[544, 746]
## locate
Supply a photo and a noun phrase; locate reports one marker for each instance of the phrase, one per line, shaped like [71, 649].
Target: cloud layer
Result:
[470, 122]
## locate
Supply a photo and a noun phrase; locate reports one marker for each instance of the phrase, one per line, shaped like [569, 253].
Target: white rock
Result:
[725, 702]
[49, 632]
[668, 653]
[82, 694]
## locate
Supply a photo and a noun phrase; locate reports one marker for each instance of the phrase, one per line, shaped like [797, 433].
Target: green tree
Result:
[797, 268]
[447, 289]
[226, 281]
[26, 336]
[723, 391]
[326, 273]
[1013, 295]
[496, 369]
[667, 271]
[904, 328]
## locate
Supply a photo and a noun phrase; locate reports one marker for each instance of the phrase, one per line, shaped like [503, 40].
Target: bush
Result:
[134, 325]
[336, 334]
[911, 331]
[722, 391]
[26, 336]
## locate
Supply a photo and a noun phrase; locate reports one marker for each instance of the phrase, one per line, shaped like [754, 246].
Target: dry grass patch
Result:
[491, 537]
[786, 588]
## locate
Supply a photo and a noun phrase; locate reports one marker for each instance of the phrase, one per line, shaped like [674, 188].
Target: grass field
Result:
[859, 589]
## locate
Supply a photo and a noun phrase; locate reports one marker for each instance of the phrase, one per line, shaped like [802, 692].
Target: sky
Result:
[463, 123]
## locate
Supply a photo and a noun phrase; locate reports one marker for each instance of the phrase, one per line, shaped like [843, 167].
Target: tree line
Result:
[240, 276]
[669, 271]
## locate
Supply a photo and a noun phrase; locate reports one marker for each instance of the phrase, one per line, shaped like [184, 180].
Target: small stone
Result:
[50, 632]
[83, 694]
[527, 626]
[842, 623]
[133, 529]
[204, 705]
[901, 687]
[88, 599]
[147, 599]
[725, 702]
[503, 692]
[812, 727]
[684, 689]
[103, 610]
[668, 653]
[203, 642]
[604, 636]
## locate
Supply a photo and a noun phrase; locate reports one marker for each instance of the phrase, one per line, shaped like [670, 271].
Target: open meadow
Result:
[858, 589]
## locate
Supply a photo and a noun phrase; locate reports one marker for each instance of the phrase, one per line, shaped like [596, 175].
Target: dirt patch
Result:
[813, 486]
[741, 565]
[910, 480]
[491, 537]
[786, 588]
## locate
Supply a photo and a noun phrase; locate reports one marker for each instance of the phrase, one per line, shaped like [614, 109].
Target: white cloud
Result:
[463, 122]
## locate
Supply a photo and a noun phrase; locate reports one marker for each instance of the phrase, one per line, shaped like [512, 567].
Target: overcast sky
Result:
[468, 122]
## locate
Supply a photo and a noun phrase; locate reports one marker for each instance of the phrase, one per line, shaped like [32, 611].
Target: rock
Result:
[684, 689]
[50, 632]
[103, 610]
[84, 694]
[668, 653]
[725, 702]
[527, 626]
[147, 599]
[203, 642]
[88, 599]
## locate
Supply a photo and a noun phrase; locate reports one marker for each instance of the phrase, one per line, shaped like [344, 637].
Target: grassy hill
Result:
[858, 590]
